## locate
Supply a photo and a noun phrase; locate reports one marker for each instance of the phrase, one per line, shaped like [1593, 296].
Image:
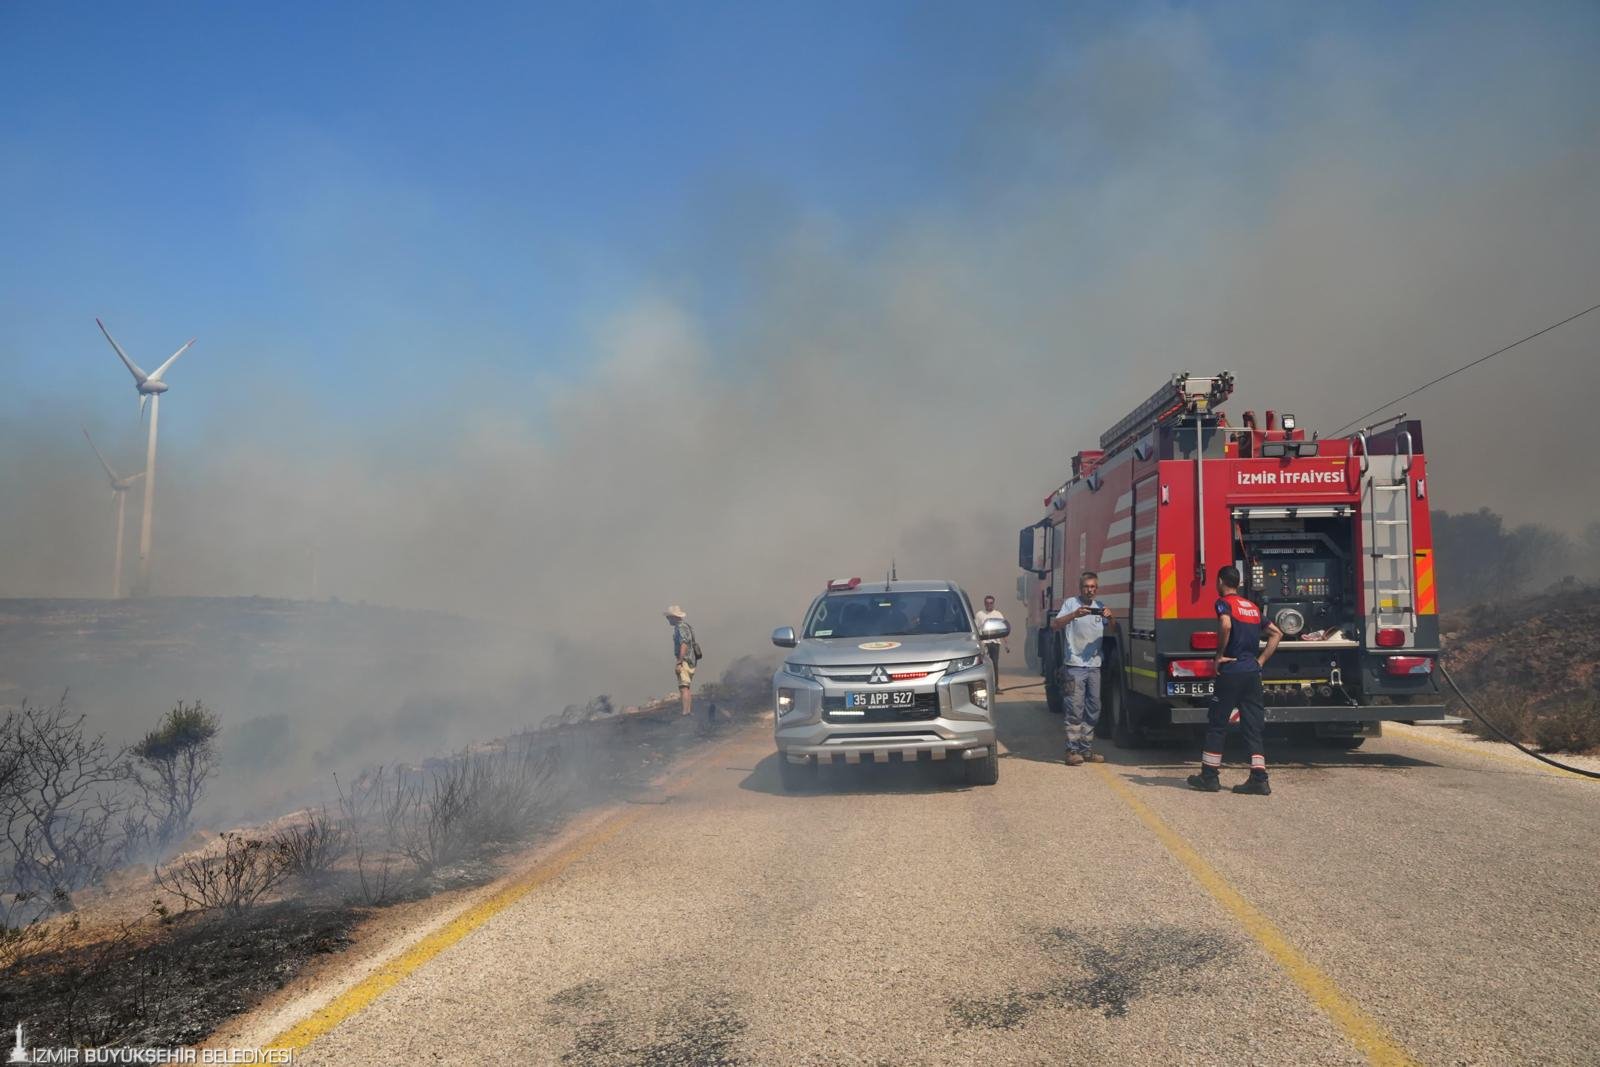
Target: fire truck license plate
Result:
[892, 698]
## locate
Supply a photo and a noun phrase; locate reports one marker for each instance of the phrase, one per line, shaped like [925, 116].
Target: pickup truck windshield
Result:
[892, 614]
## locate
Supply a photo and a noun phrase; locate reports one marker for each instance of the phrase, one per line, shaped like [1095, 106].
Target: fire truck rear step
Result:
[1287, 714]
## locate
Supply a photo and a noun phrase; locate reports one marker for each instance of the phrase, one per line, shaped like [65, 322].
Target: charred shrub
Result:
[473, 800]
[311, 848]
[509, 791]
[451, 809]
[230, 881]
[62, 803]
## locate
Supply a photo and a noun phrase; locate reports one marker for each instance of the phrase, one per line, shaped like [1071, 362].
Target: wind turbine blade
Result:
[144, 398]
[139, 376]
[134, 477]
[155, 376]
[109, 472]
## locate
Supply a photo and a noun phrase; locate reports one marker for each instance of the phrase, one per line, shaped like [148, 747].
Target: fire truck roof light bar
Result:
[1184, 394]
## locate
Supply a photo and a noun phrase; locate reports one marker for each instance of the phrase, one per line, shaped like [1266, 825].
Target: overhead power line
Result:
[1481, 359]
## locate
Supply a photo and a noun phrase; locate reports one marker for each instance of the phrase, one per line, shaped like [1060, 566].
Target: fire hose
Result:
[1519, 746]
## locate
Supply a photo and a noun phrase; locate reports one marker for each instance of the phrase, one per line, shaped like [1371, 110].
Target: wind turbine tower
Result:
[119, 493]
[150, 387]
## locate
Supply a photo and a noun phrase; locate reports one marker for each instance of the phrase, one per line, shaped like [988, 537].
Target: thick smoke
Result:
[1343, 223]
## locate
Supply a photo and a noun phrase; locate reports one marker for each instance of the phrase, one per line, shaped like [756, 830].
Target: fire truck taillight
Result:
[1203, 640]
[1407, 665]
[1192, 668]
[1389, 637]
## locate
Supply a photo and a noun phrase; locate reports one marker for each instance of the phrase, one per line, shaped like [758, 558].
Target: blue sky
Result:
[377, 196]
[306, 178]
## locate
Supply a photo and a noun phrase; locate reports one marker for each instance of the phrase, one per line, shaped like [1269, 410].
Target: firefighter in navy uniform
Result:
[1240, 658]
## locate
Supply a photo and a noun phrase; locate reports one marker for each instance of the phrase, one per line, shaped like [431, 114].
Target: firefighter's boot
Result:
[1206, 781]
[1255, 785]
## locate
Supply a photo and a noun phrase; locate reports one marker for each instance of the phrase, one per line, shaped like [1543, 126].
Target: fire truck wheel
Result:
[1123, 732]
[796, 777]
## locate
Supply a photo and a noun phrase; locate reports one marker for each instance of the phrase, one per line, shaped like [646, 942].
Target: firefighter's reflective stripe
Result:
[1167, 583]
[1427, 604]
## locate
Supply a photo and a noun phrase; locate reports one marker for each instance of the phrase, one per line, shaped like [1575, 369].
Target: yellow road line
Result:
[359, 996]
[1365, 1032]
[1471, 748]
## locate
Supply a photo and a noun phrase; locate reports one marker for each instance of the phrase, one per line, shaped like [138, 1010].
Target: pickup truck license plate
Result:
[883, 698]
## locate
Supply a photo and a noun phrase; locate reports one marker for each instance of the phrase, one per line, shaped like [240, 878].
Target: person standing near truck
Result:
[1084, 620]
[1240, 658]
[686, 651]
[991, 647]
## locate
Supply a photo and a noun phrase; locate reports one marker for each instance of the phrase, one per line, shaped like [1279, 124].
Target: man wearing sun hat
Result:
[686, 650]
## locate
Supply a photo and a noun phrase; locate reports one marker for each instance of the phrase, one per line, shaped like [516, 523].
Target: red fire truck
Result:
[1331, 536]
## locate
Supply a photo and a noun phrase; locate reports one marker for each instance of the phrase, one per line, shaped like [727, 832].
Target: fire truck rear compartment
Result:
[1301, 572]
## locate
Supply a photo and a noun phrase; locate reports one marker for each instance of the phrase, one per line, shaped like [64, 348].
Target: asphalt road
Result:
[1409, 901]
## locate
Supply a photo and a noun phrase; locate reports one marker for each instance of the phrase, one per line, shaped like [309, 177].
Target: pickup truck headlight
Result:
[980, 694]
[799, 670]
[965, 663]
[785, 702]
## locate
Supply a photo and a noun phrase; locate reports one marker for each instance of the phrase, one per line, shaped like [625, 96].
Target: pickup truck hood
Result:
[907, 648]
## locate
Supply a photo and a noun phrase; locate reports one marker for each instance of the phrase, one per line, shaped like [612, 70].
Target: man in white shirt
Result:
[1085, 620]
[991, 647]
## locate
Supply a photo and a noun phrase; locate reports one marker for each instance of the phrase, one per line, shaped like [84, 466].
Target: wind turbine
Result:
[119, 493]
[150, 388]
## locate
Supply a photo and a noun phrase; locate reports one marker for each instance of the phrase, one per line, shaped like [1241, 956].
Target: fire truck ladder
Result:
[1390, 573]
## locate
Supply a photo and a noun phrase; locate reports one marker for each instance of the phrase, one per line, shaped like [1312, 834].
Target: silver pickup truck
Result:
[894, 672]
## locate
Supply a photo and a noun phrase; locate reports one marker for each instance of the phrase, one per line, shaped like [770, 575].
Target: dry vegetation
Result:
[232, 919]
[1532, 666]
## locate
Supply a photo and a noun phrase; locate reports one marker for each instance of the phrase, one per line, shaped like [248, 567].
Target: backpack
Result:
[694, 643]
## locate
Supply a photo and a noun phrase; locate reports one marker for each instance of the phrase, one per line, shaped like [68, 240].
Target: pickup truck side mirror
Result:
[784, 637]
[991, 630]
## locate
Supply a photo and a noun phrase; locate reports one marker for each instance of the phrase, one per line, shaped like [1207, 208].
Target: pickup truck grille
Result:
[925, 707]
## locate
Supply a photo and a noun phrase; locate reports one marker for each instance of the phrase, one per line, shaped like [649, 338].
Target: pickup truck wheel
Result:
[985, 771]
[796, 777]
